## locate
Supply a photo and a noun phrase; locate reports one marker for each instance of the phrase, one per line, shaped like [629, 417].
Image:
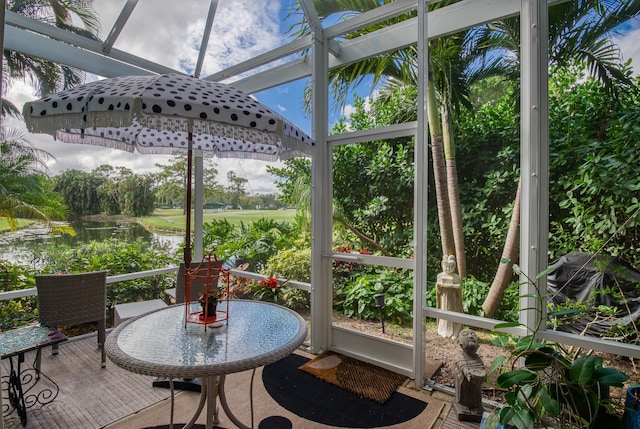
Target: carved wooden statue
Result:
[449, 296]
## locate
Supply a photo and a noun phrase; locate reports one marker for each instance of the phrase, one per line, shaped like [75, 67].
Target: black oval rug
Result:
[313, 399]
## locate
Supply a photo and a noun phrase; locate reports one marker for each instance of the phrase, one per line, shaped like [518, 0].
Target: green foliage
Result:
[292, 264]
[20, 310]
[546, 386]
[355, 297]
[136, 196]
[254, 242]
[487, 159]
[474, 292]
[170, 181]
[109, 198]
[593, 184]
[25, 190]
[236, 187]
[118, 257]
[80, 191]
[295, 265]
[594, 181]
[373, 188]
[554, 389]
[113, 191]
[294, 183]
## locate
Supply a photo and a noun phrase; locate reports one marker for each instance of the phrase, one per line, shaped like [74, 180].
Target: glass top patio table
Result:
[160, 344]
[20, 383]
[26, 338]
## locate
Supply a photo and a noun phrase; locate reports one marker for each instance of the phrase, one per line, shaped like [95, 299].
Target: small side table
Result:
[20, 382]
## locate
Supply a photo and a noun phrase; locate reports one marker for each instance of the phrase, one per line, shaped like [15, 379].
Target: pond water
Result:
[19, 246]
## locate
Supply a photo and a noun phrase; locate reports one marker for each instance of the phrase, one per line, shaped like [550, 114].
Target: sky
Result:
[161, 32]
[171, 36]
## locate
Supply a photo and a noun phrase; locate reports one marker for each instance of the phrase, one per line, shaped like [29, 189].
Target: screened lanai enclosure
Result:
[326, 44]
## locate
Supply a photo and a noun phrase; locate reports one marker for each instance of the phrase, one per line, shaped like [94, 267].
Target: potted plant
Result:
[547, 386]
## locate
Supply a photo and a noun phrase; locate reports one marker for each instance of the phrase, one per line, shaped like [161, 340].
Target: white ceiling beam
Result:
[277, 76]
[383, 12]
[20, 21]
[54, 34]
[125, 13]
[310, 14]
[266, 58]
[462, 15]
[450, 19]
[205, 37]
[313, 20]
[405, 129]
[387, 11]
[51, 50]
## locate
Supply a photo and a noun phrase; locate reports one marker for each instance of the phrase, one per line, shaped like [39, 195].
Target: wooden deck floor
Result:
[91, 397]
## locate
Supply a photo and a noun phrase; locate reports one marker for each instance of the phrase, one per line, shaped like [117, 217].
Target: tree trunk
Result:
[454, 193]
[439, 172]
[510, 252]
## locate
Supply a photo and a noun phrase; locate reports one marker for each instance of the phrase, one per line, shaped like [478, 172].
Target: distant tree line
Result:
[119, 191]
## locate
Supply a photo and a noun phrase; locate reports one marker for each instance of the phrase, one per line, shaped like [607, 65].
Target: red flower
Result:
[272, 283]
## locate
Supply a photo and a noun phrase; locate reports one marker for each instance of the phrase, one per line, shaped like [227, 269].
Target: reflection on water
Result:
[19, 246]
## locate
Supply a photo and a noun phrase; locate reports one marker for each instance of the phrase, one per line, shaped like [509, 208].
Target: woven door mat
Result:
[361, 378]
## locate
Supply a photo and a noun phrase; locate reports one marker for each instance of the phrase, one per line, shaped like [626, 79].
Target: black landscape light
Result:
[380, 304]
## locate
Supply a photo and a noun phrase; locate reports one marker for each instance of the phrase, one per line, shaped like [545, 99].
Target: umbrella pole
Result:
[187, 246]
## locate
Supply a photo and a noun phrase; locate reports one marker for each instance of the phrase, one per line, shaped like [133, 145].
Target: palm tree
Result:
[447, 90]
[49, 77]
[579, 33]
[8, 108]
[25, 191]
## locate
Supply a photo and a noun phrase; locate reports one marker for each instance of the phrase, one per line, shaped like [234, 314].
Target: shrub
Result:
[355, 297]
[118, 257]
[254, 242]
[293, 265]
[17, 311]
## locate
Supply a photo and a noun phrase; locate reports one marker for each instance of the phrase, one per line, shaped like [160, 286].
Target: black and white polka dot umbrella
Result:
[165, 114]
[154, 114]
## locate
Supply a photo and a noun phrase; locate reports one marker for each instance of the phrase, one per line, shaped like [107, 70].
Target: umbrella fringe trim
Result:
[53, 124]
[296, 147]
[93, 141]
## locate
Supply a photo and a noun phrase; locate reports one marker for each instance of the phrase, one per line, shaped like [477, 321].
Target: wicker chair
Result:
[197, 287]
[70, 299]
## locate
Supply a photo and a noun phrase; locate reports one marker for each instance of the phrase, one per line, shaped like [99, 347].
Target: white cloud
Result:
[629, 46]
[242, 29]
[348, 109]
[169, 33]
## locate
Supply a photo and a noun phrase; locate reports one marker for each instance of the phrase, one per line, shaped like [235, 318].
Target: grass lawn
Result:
[174, 219]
